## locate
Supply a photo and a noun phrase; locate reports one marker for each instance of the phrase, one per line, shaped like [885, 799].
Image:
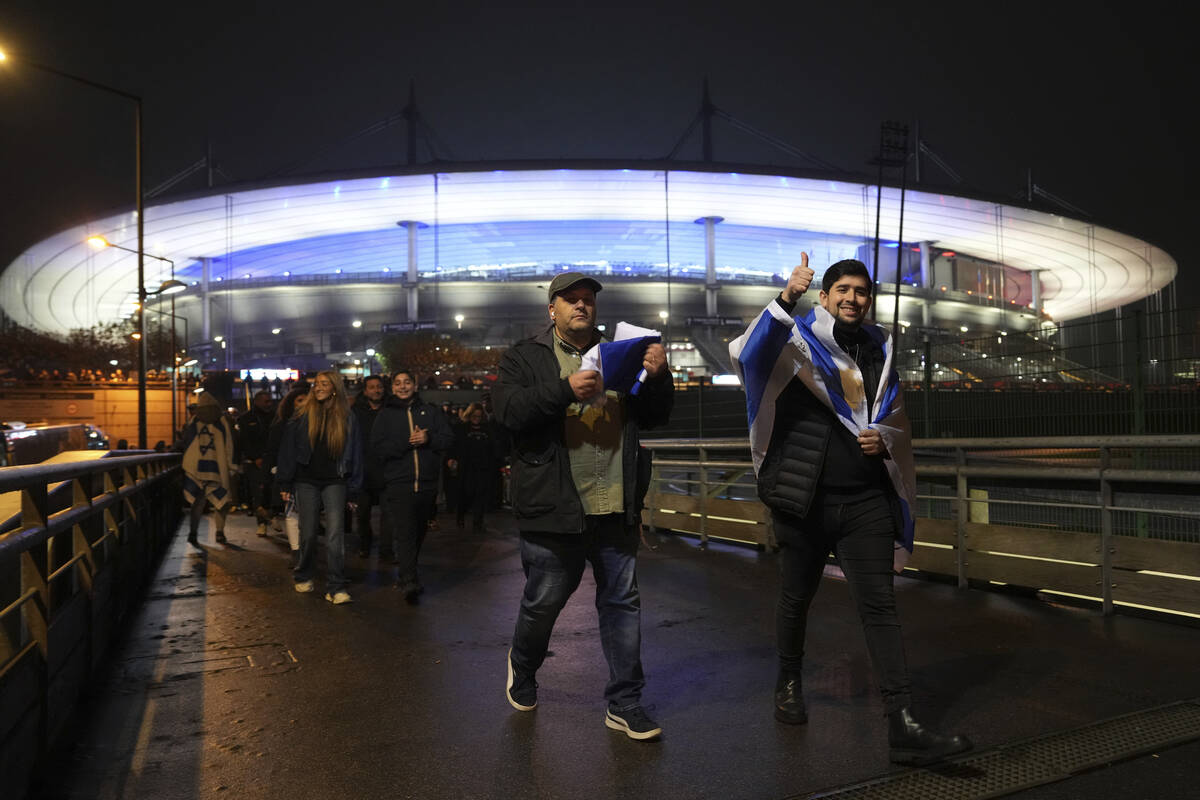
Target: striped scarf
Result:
[777, 347]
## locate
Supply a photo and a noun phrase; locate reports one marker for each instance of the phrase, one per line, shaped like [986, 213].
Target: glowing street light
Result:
[141, 221]
[459, 319]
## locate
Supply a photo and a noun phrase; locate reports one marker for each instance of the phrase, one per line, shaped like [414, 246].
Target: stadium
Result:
[307, 272]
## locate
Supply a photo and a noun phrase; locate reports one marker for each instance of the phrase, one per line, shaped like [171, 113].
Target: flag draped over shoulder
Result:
[619, 362]
[777, 347]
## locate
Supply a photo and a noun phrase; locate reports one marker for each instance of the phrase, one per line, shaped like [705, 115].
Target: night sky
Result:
[1092, 99]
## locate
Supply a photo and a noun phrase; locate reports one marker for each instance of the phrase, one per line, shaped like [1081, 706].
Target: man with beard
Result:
[575, 493]
[833, 454]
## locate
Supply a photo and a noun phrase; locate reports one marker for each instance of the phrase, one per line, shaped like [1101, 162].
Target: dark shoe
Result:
[913, 744]
[789, 699]
[221, 538]
[633, 722]
[521, 690]
[412, 590]
[192, 540]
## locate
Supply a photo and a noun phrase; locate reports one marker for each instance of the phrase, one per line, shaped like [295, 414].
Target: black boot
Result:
[192, 539]
[789, 699]
[913, 744]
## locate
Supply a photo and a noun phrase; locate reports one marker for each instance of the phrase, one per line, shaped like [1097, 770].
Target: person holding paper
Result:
[832, 452]
[575, 493]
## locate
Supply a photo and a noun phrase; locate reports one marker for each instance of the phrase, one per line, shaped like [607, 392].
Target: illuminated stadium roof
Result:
[518, 225]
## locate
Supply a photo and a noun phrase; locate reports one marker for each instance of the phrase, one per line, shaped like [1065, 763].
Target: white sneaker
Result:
[303, 586]
[339, 597]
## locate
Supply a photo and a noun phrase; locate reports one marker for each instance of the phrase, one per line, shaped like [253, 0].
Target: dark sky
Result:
[1092, 98]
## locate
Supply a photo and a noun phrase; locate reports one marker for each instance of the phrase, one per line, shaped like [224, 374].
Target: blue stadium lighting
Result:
[523, 225]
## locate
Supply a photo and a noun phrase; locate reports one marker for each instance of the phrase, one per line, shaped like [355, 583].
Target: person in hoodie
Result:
[321, 465]
[408, 438]
[207, 444]
[366, 408]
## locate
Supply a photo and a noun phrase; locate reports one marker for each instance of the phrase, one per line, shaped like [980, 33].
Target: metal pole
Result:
[899, 253]
[174, 369]
[141, 228]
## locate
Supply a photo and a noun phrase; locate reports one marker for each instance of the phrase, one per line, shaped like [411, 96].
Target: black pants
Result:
[861, 536]
[407, 515]
[257, 485]
[362, 517]
[474, 495]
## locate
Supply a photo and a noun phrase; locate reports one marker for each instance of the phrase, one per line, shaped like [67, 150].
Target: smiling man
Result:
[576, 494]
[833, 456]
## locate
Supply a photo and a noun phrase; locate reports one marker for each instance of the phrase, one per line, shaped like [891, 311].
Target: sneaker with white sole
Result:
[339, 597]
[521, 690]
[633, 722]
[303, 586]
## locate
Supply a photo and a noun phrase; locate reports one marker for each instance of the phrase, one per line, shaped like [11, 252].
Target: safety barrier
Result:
[1115, 519]
[73, 564]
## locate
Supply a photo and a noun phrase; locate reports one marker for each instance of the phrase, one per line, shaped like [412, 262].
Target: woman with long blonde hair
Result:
[321, 465]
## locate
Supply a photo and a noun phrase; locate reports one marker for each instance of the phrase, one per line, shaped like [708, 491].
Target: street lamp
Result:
[141, 223]
[171, 287]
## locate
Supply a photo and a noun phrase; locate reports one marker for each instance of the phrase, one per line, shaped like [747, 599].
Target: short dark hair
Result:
[374, 378]
[403, 371]
[847, 266]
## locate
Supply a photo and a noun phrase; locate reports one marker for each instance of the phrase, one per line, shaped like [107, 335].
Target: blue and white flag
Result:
[777, 347]
[619, 362]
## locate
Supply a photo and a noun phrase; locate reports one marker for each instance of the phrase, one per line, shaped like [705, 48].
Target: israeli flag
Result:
[619, 362]
[777, 347]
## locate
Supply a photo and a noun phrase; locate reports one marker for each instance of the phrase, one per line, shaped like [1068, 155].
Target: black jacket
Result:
[791, 472]
[373, 467]
[417, 467]
[253, 432]
[531, 400]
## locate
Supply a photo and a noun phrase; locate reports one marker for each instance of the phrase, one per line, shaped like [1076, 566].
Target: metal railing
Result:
[74, 561]
[1115, 520]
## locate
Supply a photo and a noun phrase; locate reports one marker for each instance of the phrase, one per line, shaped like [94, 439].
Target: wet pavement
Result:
[230, 684]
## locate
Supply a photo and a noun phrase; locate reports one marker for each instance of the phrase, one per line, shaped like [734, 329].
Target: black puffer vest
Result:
[788, 477]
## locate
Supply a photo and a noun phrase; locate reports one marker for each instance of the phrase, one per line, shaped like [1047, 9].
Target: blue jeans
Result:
[861, 536]
[309, 500]
[553, 565]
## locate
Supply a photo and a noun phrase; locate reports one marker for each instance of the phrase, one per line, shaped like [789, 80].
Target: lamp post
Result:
[170, 287]
[140, 205]
[174, 358]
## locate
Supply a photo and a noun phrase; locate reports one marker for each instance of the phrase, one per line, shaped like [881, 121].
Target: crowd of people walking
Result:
[322, 465]
[831, 447]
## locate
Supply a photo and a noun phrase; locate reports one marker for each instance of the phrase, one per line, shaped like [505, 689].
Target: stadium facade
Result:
[315, 269]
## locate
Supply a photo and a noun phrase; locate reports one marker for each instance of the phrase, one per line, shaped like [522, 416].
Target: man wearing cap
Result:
[575, 493]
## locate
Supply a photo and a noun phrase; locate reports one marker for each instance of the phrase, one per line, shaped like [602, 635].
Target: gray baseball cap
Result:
[568, 279]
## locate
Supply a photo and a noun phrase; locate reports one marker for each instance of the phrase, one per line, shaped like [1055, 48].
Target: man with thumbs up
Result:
[832, 452]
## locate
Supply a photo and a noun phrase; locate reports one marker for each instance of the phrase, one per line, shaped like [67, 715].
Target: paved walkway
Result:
[232, 685]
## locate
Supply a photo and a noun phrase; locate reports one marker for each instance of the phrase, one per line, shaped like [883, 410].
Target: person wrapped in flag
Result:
[832, 453]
